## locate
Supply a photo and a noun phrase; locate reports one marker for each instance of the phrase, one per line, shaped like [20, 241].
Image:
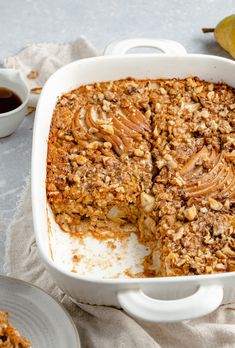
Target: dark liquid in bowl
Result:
[8, 100]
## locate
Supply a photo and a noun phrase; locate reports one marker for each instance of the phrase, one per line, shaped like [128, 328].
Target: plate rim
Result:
[24, 282]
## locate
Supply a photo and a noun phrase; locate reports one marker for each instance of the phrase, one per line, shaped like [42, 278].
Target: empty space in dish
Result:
[88, 255]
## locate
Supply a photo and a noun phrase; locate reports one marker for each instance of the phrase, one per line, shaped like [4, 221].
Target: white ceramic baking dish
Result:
[151, 299]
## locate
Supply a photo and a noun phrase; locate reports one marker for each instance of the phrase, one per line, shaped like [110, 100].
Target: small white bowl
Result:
[13, 80]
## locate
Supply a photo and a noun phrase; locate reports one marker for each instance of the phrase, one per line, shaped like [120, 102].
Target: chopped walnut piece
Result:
[220, 267]
[231, 265]
[147, 201]
[100, 96]
[228, 251]
[107, 145]
[179, 234]
[227, 204]
[106, 105]
[155, 132]
[170, 161]
[160, 163]
[199, 89]
[190, 213]
[109, 95]
[80, 159]
[214, 204]
[139, 152]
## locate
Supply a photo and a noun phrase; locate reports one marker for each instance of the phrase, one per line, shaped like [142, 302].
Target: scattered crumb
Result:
[111, 244]
[77, 258]
[36, 90]
[33, 75]
[30, 110]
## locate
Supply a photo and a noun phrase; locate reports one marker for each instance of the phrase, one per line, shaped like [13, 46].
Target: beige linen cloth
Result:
[98, 326]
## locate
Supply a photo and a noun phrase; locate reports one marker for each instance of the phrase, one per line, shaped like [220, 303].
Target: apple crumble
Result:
[153, 157]
[9, 335]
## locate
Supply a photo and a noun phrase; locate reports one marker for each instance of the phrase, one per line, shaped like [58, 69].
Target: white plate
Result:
[37, 315]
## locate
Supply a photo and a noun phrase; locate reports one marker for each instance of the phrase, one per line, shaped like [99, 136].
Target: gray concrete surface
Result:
[26, 21]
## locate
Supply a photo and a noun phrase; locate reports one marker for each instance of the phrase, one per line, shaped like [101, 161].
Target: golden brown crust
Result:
[155, 157]
[98, 159]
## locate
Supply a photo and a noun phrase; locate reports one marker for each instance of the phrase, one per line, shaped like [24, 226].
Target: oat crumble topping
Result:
[154, 157]
[9, 335]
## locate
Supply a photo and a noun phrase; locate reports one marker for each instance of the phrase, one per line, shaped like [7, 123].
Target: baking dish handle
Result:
[166, 46]
[205, 300]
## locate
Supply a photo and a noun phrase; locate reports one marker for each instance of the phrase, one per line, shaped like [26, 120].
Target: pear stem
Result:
[208, 30]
